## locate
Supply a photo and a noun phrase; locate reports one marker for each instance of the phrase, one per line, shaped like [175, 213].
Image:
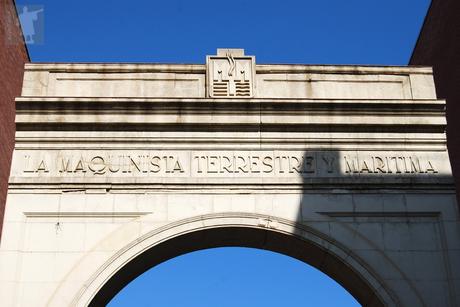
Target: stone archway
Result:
[114, 162]
[234, 229]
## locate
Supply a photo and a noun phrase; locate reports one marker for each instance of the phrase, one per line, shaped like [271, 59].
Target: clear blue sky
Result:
[233, 277]
[185, 31]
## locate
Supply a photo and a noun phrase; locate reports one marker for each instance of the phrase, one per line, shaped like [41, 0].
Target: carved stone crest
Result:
[230, 73]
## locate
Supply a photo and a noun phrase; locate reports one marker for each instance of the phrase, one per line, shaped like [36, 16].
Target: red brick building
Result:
[439, 46]
[13, 55]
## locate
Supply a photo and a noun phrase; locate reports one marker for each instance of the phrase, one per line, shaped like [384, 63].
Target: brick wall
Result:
[13, 55]
[439, 46]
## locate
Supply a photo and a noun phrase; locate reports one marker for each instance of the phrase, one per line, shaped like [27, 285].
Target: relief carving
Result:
[230, 74]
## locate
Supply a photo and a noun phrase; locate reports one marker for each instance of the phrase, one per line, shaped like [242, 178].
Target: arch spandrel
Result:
[229, 229]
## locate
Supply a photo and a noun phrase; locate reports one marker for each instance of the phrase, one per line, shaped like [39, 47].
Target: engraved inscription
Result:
[388, 165]
[254, 164]
[226, 164]
[126, 164]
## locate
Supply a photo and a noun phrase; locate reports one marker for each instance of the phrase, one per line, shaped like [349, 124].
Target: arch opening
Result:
[233, 276]
[294, 246]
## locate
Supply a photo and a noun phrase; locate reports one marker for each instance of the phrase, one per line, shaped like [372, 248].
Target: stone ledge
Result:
[201, 68]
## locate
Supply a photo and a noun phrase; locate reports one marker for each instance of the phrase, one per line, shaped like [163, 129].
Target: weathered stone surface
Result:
[120, 167]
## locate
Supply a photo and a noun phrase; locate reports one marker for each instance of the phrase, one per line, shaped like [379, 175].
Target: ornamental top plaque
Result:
[230, 73]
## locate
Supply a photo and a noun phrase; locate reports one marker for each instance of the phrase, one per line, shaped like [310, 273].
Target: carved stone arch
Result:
[233, 229]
